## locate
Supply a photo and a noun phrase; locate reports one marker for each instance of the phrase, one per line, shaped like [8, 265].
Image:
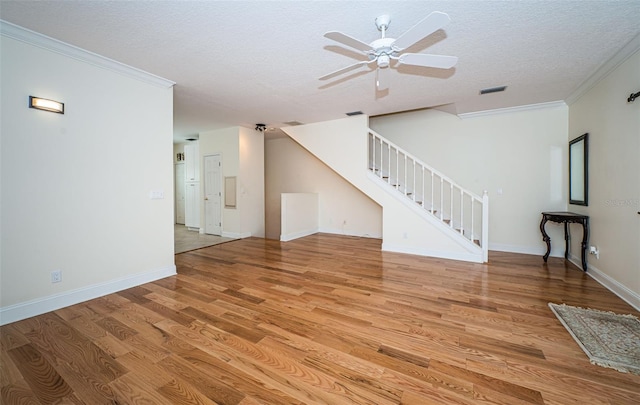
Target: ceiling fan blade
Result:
[426, 60]
[345, 39]
[346, 69]
[382, 79]
[427, 26]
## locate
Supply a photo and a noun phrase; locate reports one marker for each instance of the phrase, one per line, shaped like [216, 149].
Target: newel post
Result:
[485, 226]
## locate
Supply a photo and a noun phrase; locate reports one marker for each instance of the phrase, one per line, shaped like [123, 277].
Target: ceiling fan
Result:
[383, 50]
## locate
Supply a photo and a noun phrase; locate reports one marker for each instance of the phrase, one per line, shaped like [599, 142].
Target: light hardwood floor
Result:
[321, 320]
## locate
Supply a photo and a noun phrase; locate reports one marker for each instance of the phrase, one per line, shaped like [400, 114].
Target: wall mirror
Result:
[578, 170]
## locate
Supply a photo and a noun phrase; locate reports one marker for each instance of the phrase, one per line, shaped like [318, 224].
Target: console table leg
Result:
[567, 238]
[585, 239]
[545, 238]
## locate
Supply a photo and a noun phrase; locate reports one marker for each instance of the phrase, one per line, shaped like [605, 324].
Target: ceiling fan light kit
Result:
[384, 50]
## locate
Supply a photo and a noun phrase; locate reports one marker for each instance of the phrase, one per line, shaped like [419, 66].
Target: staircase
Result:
[462, 211]
[423, 211]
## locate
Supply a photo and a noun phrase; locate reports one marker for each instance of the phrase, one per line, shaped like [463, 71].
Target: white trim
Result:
[236, 235]
[603, 71]
[527, 250]
[339, 231]
[520, 108]
[39, 306]
[296, 235]
[466, 257]
[609, 283]
[42, 41]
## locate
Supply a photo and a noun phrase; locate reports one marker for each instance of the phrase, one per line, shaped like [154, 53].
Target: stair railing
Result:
[461, 210]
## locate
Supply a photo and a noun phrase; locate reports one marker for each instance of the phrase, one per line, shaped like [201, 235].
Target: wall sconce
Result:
[46, 105]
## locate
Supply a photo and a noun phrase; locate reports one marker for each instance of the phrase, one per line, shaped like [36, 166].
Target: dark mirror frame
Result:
[579, 170]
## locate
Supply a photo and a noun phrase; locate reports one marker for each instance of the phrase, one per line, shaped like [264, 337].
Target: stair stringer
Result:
[343, 145]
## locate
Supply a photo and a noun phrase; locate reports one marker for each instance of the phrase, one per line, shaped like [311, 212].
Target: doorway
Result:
[179, 193]
[213, 194]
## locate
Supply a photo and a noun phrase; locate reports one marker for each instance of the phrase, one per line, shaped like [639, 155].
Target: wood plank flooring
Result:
[321, 320]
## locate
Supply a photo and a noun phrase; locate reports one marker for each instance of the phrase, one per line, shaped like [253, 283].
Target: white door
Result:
[213, 194]
[179, 192]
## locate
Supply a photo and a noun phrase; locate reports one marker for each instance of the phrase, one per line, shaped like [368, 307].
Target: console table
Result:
[566, 218]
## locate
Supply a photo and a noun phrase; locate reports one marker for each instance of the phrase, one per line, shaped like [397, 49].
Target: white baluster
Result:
[473, 200]
[422, 185]
[441, 197]
[451, 201]
[397, 169]
[413, 194]
[462, 212]
[405, 174]
[432, 193]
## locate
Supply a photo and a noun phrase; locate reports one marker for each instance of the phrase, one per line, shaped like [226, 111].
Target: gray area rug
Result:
[610, 340]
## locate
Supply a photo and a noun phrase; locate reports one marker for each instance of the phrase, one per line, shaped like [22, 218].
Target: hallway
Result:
[186, 240]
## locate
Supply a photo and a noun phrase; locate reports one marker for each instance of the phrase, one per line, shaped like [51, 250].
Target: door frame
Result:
[176, 185]
[204, 178]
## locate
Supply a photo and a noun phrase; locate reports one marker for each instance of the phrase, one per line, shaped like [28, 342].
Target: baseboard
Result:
[39, 306]
[337, 231]
[609, 283]
[527, 250]
[296, 235]
[236, 235]
[467, 257]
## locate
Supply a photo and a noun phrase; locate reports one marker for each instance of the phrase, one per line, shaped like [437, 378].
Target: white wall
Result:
[299, 215]
[251, 182]
[75, 187]
[242, 153]
[343, 209]
[522, 153]
[613, 125]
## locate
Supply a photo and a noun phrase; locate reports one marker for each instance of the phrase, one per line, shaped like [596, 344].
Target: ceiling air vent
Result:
[292, 123]
[354, 113]
[493, 90]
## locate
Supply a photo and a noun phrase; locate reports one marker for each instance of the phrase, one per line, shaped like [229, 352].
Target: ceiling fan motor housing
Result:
[382, 51]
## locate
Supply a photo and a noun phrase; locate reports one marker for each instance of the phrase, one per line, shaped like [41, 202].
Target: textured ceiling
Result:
[244, 62]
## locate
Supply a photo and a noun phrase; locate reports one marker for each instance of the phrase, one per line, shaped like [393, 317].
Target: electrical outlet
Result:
[56, 276]
[594, 251]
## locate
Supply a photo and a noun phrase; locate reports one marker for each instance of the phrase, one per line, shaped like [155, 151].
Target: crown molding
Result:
[520, 108]
[25, 35]
[603, 71]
